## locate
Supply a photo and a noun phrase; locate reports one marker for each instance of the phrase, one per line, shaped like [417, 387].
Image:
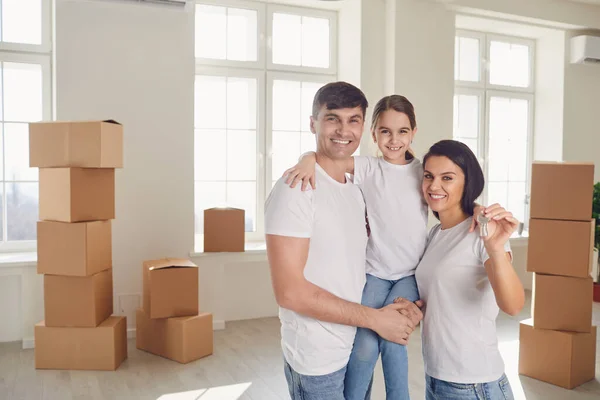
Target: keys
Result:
[482, 220]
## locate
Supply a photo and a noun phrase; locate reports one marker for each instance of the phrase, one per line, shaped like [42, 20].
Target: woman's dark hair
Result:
[461, 155]
[399, 104]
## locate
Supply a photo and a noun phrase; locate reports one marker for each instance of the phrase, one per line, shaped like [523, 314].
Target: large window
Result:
[24, 97]
[493, 113]
[258, 67]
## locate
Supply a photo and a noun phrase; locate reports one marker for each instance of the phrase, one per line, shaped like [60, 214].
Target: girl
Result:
[397, 215]
[464, 279]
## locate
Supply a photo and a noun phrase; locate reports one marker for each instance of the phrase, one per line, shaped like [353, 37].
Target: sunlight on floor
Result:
[510, 353]
[229, 392]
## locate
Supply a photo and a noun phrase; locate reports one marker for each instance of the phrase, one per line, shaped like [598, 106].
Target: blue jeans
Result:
[441, 390]
[367, 345]
[317, 387]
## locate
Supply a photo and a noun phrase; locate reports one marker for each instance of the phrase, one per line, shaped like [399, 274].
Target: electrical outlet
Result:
[128, 303]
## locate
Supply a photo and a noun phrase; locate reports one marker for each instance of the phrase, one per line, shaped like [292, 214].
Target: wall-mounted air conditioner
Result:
[585, 49]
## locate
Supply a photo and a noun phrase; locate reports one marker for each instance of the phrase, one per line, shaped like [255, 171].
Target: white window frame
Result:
[30, 54]
[266, 72]
[485, 90]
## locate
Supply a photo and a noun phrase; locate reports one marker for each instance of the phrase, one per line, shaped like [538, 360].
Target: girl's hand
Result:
[303, 171]
[501, 226]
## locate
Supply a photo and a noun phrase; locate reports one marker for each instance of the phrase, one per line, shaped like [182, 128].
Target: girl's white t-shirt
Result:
[460, 343]
[397, 215]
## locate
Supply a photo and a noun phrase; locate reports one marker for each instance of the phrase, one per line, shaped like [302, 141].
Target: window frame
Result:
[45, 46]
[266, 72]
[485, 91]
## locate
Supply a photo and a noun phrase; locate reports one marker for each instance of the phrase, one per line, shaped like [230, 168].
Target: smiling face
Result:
[393, 134]
[443, 184]
[338, 131]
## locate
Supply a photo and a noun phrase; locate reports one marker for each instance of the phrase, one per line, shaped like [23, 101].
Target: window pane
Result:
[467, 59]
[210, 155]
[509, 64]
[242, 34]
[315, 42]
[210, 102]
[308, 94]
[497, 193]
[517, 167]
[308, 142]
[243, 195]
[16, 142]
[2, 213]
[22, 21]
[466, 116]
[211, 32]
[286, 151]
[22, 92]
[2, 156]
[516, 200]
[472, 144]
[207, 195]
[286, 105]
[21, 210]
[241, 155]
[287, 39]
[241, 103]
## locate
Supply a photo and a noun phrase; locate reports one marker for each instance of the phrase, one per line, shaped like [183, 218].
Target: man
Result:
[316, 242]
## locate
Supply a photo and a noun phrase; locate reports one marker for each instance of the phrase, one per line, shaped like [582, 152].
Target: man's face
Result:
[338, 131]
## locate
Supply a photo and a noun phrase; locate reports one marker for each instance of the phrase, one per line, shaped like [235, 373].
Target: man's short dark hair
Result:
[337, 95]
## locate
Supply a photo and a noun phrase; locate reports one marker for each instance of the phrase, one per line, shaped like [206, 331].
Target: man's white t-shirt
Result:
[397, 215]
[333, 217]
[459, 337]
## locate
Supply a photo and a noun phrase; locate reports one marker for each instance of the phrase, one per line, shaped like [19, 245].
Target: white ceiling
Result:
[595, 2]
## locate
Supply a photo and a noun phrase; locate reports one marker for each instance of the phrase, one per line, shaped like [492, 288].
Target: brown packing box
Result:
[562, 190]
[103, 348]
[77, 194]
[74, 249]
[566, 359]
[73, 301]
[170, 288]
[562, 303]
[182, 339]
[224, 230]
[561, 247]
[89, 144]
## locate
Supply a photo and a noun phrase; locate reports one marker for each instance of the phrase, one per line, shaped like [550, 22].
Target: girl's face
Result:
[393, 134]
[443, 184]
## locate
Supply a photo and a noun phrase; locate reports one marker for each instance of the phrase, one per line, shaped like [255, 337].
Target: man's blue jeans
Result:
[367, 345]
[318, 387]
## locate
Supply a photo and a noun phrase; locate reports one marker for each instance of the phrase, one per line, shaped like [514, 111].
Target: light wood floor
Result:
[247, 364]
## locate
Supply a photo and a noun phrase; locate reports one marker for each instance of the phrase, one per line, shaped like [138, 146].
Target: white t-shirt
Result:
[397, 215]
[333, 217]
[459, 327]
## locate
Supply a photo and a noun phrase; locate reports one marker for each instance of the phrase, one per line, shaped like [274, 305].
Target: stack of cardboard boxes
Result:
[169, 325]
[77, 162]
[559, 344]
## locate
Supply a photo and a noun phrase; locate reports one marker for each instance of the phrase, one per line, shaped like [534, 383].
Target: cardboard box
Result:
[103, 348]
[566, 359]
[74, 249]
[170, 288]
[77, 194]
[182, 339]
[562, 303]
[89, 144]
[73, 301]
[558, 247]
[562, 190]
[224, 230]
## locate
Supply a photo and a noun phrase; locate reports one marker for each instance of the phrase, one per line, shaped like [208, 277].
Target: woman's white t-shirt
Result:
[460, 343]
[397, 215]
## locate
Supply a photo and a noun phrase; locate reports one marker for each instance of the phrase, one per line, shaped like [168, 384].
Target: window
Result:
[24, 97]
[258, 67]
[493, 113]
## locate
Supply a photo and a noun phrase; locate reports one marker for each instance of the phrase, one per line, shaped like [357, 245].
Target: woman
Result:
[464, 279]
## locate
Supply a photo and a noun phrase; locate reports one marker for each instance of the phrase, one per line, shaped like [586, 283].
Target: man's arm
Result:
[287, 259]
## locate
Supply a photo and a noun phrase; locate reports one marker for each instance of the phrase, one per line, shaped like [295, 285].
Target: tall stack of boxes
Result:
[558, 345]
[77, 162]
[169, 324]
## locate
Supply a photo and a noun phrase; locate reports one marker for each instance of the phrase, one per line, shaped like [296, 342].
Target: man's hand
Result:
[410, 309]
[391, 325]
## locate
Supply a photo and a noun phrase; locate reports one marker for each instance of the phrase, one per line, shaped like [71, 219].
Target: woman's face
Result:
[443, 184]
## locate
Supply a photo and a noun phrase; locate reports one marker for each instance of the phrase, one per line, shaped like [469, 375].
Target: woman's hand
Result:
[500, 227]
[303, 171]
